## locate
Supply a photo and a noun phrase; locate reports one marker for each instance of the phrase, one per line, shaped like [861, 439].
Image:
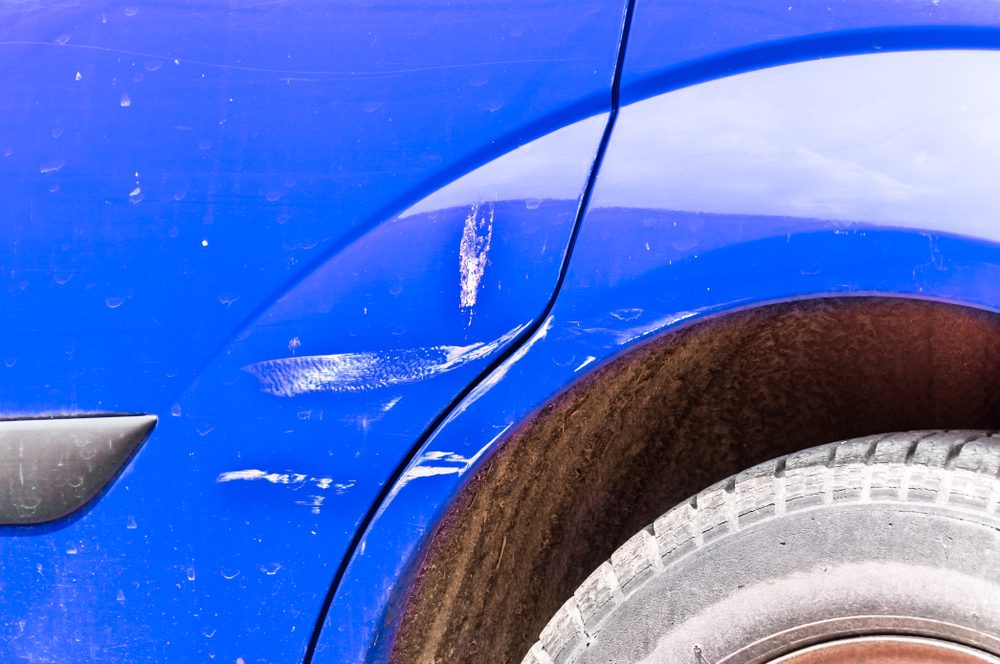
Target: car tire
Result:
[894, 538]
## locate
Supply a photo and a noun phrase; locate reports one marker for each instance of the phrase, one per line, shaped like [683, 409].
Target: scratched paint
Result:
[477, 233]
[367, 371]
[436, 462]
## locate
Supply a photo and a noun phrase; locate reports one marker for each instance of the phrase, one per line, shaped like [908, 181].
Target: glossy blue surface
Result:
[862, 175]
[295, 232]
[678, 43]
[299, 232]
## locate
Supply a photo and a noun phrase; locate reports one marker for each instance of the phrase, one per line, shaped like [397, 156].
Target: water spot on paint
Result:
[126, 100]
[114, 302]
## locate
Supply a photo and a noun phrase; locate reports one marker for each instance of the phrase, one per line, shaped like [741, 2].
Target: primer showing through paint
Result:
[367, 371]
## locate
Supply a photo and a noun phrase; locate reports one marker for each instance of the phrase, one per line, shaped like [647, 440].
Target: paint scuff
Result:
[498, 374]
[435, 462]
[366, 371]
[294, 480]
[477, 234]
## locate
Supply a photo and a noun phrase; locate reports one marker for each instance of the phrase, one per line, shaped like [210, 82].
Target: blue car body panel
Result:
[867, 174]
[308, 235]
[294, 232]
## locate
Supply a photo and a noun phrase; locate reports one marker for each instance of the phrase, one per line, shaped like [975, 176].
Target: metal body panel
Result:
[861, 175]
[299, 232]
[296, 233]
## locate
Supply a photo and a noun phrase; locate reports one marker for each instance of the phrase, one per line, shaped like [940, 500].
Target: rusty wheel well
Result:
[662, 422]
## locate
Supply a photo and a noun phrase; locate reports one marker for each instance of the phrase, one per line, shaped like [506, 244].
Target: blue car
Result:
[635, 330]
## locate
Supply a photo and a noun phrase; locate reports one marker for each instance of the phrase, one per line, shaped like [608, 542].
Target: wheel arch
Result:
[666, 419]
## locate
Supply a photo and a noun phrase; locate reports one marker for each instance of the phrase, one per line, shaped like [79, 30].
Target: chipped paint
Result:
[473, 250]
[366, 371]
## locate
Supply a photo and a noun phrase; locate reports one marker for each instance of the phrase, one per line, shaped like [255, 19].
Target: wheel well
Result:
[666, 420]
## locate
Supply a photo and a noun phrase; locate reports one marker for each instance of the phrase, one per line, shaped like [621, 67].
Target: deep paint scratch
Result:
[366, 371]
[472, 254]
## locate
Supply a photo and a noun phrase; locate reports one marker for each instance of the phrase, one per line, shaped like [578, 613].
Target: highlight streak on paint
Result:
[472, 254]
[363, 372]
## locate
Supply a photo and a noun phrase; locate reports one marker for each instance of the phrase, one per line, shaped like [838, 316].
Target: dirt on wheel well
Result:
[666, 420]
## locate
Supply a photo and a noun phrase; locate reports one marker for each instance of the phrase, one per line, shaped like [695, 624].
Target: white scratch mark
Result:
[434, 463]
[366, 371]
[590, 358]
[498, 374]
[312, 502]
[634, 333]
[389, 405]
[293, 480]
[472, 254]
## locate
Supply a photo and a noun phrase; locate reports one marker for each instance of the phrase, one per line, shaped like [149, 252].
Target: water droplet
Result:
[79, 76]
[191, 574]
[289, 182]
[138, 77]
[175, 410]
[204, 243]
[57, 132]
[131, 11]
[294, 343]
[8, 152]
[114, 302]
[71, 549]
[179, 195]
[152, 65]
[493, 106]
[396, 290]
[130, 523]
[53, 188]
[282, 219]
[126, 100]
[478, 81]
[204, 144]
[370, 107]
[120, 596]
[136, 195]
[272, 196]
[173, 232]
[532, 203]
[271, 569]
[10, 362]
[62, 39]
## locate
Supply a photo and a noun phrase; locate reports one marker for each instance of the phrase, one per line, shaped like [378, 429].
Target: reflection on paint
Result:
[366, 371]
[895, 139]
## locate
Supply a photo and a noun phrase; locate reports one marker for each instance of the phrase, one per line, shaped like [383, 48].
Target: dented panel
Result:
[295, 232]
[855, 176]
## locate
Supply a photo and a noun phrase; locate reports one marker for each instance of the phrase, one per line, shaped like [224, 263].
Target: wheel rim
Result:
[887, 650]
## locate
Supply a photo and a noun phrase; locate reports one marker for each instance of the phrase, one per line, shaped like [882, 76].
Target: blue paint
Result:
[297, 232]
[864, 175]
